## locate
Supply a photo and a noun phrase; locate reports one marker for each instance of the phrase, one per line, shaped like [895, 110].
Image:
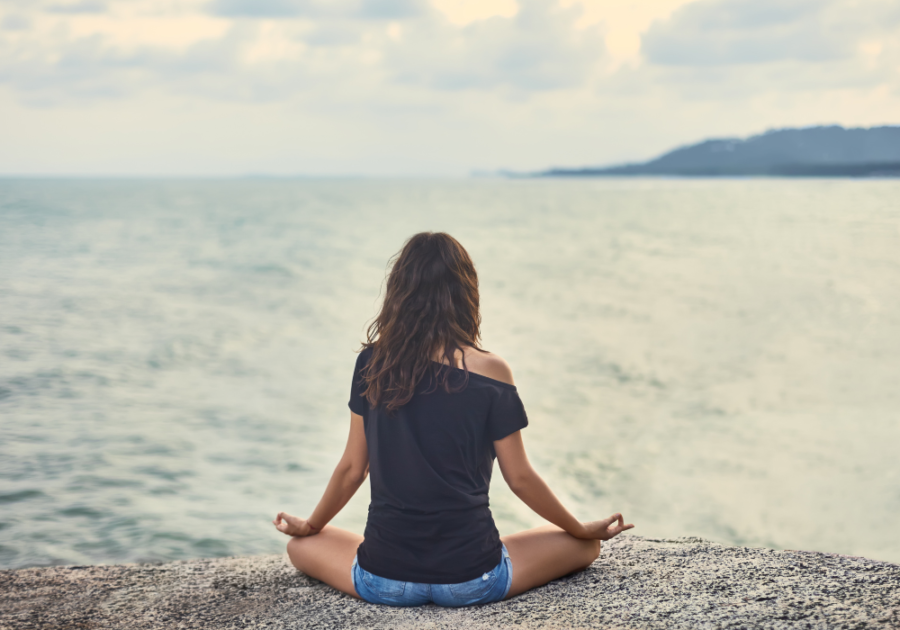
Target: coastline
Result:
[636, 583]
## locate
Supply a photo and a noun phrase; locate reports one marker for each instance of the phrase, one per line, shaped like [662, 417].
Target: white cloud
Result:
[539, 48]
[15, 22]
[728, 32]
[348, 9]
[462, 12]
[815, 52]
[84, 6]
[399, 86]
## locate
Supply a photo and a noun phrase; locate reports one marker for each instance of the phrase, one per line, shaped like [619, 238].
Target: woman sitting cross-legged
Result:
[430, 411]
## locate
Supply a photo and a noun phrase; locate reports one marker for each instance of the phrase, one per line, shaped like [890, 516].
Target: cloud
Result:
[365, 79]
[766, 51]
[540, 48]
[90, 69]
[15, 22]
[392, 9]
[334, 35]
[85, 6]
[728, 32]
[348, 9]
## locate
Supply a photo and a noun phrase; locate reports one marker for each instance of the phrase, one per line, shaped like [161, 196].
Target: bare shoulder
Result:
[489, 364]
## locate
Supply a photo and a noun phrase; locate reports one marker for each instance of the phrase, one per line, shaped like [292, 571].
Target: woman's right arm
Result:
[528, 485]
[346, 479]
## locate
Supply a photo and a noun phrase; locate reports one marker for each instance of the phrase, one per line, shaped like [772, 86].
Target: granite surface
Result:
[636, 583]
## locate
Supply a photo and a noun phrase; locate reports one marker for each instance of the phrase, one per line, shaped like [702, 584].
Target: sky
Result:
[423, 87]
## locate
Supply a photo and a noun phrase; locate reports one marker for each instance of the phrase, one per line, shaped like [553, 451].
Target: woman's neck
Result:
[458, 356]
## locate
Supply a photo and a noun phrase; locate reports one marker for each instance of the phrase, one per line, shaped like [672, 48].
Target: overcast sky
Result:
[419, 87]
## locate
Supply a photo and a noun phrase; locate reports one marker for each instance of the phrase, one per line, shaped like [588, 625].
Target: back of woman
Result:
[430, 411]
[430, 466]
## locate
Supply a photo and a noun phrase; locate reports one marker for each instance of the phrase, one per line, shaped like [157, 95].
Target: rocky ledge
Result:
[636, 583]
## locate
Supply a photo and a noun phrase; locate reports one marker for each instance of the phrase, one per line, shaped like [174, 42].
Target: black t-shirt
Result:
[430, 469]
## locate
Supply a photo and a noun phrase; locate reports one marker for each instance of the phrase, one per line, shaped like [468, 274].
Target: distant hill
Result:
[807, 152]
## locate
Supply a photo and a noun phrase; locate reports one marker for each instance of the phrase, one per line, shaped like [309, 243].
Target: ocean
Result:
[713, 358]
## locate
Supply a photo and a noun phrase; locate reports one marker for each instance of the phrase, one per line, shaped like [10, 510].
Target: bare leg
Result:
[545, 553]
[327, 556]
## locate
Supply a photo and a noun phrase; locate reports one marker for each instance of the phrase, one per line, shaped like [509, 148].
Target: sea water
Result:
[715, 358]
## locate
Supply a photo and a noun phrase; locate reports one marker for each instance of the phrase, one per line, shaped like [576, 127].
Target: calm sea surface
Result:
[712, 358]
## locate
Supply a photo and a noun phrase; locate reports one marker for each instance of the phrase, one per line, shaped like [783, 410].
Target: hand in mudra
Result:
[606, 528]
[293, 525]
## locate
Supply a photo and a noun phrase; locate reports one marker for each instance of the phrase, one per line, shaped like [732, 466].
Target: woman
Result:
[429, 412]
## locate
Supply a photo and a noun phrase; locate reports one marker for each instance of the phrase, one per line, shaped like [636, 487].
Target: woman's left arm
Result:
[348, 476]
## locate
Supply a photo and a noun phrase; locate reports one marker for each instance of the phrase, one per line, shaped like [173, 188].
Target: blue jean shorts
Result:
[490, 587]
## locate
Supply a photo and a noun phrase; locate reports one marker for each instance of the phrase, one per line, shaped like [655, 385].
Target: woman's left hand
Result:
[292, 525]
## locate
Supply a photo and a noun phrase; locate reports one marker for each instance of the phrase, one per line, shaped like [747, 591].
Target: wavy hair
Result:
[430, 309]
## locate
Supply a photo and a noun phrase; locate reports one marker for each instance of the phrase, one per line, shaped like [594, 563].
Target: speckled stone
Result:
[637, 583]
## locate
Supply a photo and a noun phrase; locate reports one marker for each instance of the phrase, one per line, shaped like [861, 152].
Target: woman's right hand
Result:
[293, 525]
[606, 528]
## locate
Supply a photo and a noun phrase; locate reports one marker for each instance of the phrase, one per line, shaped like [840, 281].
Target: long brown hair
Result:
[430, 309]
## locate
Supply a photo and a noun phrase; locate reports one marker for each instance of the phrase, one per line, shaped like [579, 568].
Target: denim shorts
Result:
[490, 587]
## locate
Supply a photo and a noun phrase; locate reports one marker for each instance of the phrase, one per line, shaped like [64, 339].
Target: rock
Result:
[637, 583]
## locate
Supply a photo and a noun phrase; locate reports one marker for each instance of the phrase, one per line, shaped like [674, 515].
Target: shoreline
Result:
[636, 583]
